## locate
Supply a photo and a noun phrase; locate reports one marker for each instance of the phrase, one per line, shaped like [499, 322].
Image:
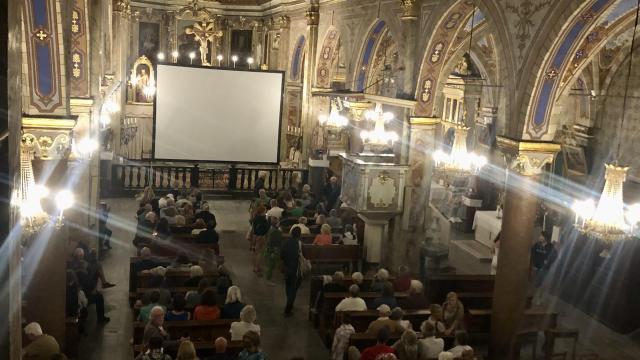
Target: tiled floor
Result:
[285, 338]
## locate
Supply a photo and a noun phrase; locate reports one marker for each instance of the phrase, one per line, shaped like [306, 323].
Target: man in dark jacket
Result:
[290, 257]
[210, 236]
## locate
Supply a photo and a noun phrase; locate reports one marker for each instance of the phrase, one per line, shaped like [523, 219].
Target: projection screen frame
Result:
[282, 94]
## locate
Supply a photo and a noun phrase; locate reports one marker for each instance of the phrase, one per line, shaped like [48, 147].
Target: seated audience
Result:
[358, 279]
[429, 346]
[387, 297]
[223, 283]
[146, 228]
[397, 314]
[163, 231]
[288, 202]
[275, 210]
[320, 220]
[453, 314]
[251, 351]
[178, 311]
[208, 308]
[324, 238]
[181, 262]
[436, 319]
[85, 259]
[403, 280]
[169, 212]
[157, 283]
[146, 262]
[88, 280]
[297, 211]
[246, 323]
[381, 347]
[186, 351]
[198, 226]
[341, 338]
[460, 344]
[151, 303]
[210, 236]
[407, 347]
[335, 285]
[41, 346]
[194, 297]
[154, 327]
[180, 220]
[320, 211]
[381, 277]
[445, 355]
[416, 299]
[349, 236]
[154, 350]
[353, 302]
[233, 304]
[383, 321]
[334, 220]
[220, 345]
[195, 275]
[205, 214]
[302, 224]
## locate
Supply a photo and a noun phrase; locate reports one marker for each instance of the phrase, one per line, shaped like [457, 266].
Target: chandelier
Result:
[378, 138]
[334, 120]
[610, 221]
[459, 162]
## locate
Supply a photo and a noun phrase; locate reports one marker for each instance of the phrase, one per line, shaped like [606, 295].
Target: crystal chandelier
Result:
[29, 195]
[334, 120]
[609, 221]
[459, 161]
[378, 138]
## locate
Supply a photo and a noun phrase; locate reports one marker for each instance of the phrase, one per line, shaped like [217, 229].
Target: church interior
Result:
[320, 179]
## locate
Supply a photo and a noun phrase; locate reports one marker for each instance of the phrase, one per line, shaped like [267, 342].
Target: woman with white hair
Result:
[381, 277]
[195, 275]
[233, 304]
[41, 346]
[247, 323]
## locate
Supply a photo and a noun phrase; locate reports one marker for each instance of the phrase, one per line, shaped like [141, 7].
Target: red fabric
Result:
[402, 283]
[372, 352]
[203, 312]
[322, 239]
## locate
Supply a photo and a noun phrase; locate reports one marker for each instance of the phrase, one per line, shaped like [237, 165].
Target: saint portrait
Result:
[574, 160]
[148, 39]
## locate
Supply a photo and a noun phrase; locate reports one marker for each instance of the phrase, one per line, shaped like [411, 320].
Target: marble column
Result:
[410, 23]
[527, 161]
[10, 253]
[307, 121]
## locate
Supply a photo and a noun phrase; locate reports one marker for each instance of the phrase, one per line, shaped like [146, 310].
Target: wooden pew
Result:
[133, 278]
[361, 319]
[204, 348]
[198, 330]
[350, 254]
[479, 320]
[176, 246]
[315, 285]
[308, 238]
[173, 277]
[438, 285]
[364, 340]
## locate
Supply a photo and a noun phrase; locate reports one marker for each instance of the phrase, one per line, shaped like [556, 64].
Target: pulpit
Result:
[373, 186]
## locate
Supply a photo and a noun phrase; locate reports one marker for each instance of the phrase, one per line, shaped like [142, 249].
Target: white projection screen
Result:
[210, 114]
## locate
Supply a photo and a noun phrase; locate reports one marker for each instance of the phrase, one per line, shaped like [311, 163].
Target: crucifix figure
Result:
[204, 32]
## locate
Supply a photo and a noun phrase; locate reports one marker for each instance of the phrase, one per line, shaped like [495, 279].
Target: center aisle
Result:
[282, 338]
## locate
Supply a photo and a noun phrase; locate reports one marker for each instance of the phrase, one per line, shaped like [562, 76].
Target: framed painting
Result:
[575, 162]
[148, 39]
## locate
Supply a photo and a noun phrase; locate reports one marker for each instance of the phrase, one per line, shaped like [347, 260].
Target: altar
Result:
[487, 227]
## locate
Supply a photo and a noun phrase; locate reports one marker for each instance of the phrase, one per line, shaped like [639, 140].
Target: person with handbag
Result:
[290, 254]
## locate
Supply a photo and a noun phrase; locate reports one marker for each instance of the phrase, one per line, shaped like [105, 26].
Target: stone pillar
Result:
[526, 161]
[424, 131]
[408, 44]
[10, 100]
[307, 122]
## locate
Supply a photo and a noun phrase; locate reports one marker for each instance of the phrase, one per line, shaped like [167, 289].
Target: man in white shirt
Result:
[461, 344]
[275, 211]
[429, 346]
[302, 224]
[353, 302]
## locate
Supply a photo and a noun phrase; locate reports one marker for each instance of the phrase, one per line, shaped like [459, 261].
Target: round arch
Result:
[367, 52]
[297, 59]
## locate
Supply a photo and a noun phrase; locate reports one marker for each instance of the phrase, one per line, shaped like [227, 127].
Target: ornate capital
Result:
[313, 16]
[421, 121]
[47, 137]
[122, 6]
[528, 158]
[409, 9]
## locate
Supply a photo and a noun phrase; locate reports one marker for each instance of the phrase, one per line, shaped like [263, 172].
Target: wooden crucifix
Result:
[204, 31]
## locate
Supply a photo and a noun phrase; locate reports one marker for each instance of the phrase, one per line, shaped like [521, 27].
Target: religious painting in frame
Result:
[241, 45]
[148, 39]
[142, 76]
[575, 161]
[186, 43]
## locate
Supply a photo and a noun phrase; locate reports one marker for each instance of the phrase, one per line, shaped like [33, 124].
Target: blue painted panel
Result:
[40, 14]
[598, 5]
[43, 64]
[622, 8]
[567, 43]
[297, 57]
[539, 116]
[368, 51]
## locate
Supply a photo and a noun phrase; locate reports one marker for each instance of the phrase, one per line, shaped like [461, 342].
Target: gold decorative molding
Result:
[47, 137]
[409, 10]
[44, 123]
[421, 120]
[528, 158]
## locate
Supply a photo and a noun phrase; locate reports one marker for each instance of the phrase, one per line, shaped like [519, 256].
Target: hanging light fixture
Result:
[609, 220]
[29, 196]
[459, 162]
[378, 138]
[334, 120]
